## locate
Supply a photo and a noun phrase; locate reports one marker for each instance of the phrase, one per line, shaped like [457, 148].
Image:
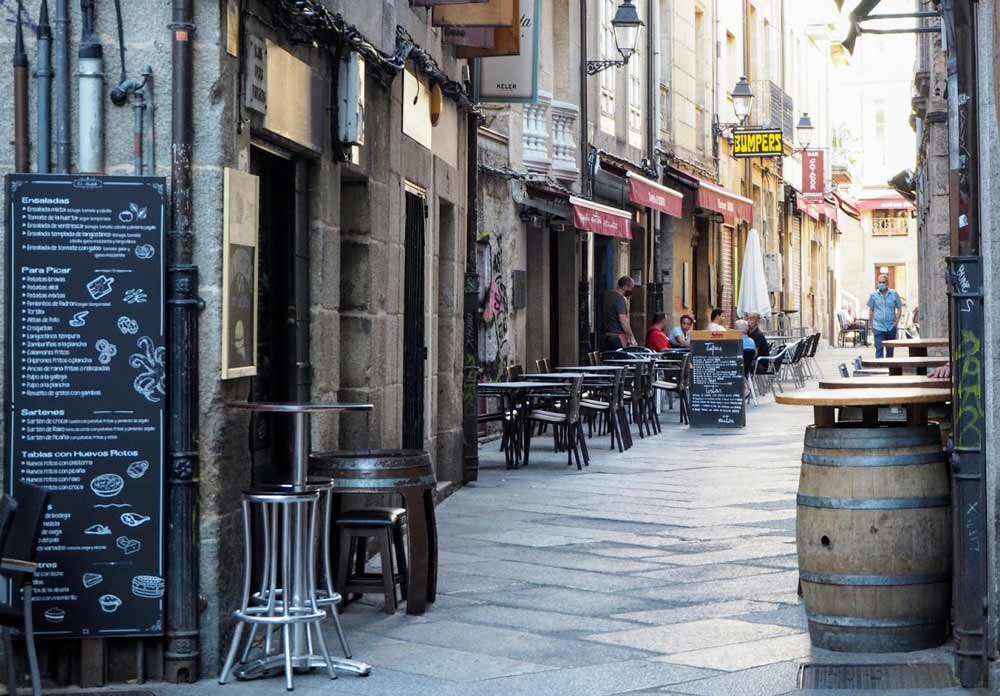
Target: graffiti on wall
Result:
[494, 304]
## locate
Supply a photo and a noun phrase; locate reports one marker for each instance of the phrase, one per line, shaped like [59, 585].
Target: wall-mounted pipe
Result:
[43, 76]
[149, 158]
[91, 93]
[22, 148]
[63, 161]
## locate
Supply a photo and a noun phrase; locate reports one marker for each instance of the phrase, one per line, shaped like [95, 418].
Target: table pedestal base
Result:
[274, 665]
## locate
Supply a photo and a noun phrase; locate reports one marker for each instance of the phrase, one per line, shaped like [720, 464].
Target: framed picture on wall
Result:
[686, 285]
[239, 273]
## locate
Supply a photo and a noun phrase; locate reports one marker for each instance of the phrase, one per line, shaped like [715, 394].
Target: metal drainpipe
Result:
[91, 93]
[583, 282]
[43, 73]
[470, 309]
[181, 652]
[301, 282]
[22, 148]
[62, 87]
[652, 109]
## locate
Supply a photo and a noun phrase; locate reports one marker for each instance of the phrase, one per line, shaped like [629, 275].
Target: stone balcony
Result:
[549, 140]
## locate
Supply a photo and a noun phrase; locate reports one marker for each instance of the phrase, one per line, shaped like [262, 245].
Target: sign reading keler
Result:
[758, 143]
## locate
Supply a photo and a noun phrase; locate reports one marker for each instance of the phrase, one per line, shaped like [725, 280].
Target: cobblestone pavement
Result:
[670, 569]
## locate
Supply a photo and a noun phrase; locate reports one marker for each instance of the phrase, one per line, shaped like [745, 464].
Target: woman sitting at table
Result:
[656, 337]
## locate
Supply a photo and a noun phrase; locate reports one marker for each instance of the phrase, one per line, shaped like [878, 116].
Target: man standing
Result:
[617, 328]
[886, 308]
[756, 335]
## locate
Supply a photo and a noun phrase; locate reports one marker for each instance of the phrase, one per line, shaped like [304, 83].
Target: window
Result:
[635, 69]
[609, 51]
[890, 223]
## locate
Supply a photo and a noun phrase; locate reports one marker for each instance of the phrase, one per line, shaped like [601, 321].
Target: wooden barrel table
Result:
[873, 524]
[897, 366]
[917, 347]
[409, 473]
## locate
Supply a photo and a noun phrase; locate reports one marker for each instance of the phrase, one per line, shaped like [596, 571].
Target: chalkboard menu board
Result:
[85, 395]
[715, 396]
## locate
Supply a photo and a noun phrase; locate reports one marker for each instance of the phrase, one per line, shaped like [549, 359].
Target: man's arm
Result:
[899, 311]
[627, 328]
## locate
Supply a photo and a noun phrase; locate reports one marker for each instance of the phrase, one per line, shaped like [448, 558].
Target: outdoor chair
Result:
[609, 408]
[506, 415]
[843, 370]
[639, 398]
[18, 567]
[514, 372]
[595, 358]
[677, 386]
[855, 331]
[565, 422]
[767, 370]
[748, 356]
[792, 368]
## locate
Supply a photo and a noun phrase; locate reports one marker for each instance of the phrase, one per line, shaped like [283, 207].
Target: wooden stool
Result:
[356, 526]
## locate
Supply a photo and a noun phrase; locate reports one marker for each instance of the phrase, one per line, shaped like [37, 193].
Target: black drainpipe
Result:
[470, 309]
[303, 368]
[181, 651]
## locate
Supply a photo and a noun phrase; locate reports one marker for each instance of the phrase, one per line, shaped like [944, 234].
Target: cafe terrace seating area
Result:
[620, 395]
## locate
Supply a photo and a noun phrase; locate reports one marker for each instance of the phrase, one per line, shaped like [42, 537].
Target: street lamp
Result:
[742, 97]
[804, 131]
[626, 26]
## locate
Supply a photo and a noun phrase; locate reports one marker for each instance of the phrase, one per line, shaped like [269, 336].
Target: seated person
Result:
[748, 343]
[679, 337]
[714, 324]
[754, 332]
[656, 339]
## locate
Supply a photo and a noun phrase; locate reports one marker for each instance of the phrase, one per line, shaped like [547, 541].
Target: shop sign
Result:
[601, 219]
[86, 395]
[715, 395]
[255, 88]
[514, 79]
[813, 174]
[650, 194]
[492, 13]
[762, 142]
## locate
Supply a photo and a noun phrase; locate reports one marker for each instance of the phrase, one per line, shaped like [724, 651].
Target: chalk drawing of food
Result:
[137, 469]
[107, 485]
[149, 586]
[54, 615]
[109, 603]
[145, 251]
[98, 529]
[134, 212]
[100, 286]
[134, 519]
[128, 325]
[92, 579]
[128, 546]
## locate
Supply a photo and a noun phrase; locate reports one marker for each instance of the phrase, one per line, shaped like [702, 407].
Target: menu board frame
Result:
[85, 395]
[717, 351]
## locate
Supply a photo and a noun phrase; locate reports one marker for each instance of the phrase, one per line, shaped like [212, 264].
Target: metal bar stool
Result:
[282, 509]
[326, 595]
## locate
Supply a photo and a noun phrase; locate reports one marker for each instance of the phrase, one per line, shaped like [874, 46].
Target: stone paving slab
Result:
[691, 635]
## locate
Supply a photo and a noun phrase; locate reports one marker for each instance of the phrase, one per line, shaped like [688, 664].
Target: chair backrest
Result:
[748, 355]
[843, 370]
[514, 372]
[685, 377]
[815, 345]
[858, 365]
[540, 365]
[595, 358]
[547, 364]
[573, 405]
[22, 541]
[8, 508]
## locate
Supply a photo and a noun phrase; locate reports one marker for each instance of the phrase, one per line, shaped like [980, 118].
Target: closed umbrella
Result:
[753, 284]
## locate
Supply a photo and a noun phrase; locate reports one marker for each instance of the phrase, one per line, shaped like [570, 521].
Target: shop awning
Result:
[733, 208]
[831, 212]
[811, 208]
[885, 203]
[601, 219]
[649, 194]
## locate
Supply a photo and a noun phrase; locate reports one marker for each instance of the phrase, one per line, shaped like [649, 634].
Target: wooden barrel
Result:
[874, 538]
[374, 470]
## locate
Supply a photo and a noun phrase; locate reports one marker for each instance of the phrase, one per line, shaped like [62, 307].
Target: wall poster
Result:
[85, 395]
[240, 274]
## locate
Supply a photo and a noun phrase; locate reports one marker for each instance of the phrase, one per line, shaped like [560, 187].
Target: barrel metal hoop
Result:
[873, 503]
[920, 458]
[873, 580]
[859, 622]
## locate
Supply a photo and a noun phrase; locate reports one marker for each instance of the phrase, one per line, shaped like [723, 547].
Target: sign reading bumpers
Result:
[766, 142]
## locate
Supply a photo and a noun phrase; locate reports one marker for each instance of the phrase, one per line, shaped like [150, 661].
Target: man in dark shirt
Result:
[617, 328]
[756, 335]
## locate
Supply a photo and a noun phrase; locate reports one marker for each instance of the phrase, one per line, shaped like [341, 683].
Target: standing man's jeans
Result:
[880, 350]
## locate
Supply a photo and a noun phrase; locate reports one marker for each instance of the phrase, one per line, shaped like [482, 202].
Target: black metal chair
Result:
[565, 421]
[18, 567]
[677, 385]
[607, 405]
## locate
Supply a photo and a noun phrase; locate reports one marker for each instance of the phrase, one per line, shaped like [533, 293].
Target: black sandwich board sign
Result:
[85, 394]
[715, 394]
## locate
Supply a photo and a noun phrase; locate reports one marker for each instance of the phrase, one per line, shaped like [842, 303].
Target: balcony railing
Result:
[773, 108]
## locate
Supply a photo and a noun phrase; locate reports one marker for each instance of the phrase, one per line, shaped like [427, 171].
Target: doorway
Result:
[270, 437]
[414, 321]
[604, 281]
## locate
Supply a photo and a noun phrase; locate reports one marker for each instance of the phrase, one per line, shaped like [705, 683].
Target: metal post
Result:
[62, 87]
[22, 147]
[470, 309]
[149, 155]
[181, 653]
[43, 74]
[91, 93]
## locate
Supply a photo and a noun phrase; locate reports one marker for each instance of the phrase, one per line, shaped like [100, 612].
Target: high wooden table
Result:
[825, 403]
[884, 381]
[917, 346]
[898, 365]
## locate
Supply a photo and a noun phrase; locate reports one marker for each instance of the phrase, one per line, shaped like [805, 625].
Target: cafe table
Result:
[512, 395]
[825, 402]
[883, 381]
[917, 346]
[300, 413]
[897, 365]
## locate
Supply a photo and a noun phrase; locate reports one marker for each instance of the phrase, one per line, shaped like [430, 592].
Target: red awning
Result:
[601, 219]
[885, 203]
[649, 194]
[831, 212]
[810, 208]
[733, 208]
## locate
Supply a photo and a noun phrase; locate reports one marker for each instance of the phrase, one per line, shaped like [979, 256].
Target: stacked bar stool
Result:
[284, 511]
[326, 595]
[355, 528]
